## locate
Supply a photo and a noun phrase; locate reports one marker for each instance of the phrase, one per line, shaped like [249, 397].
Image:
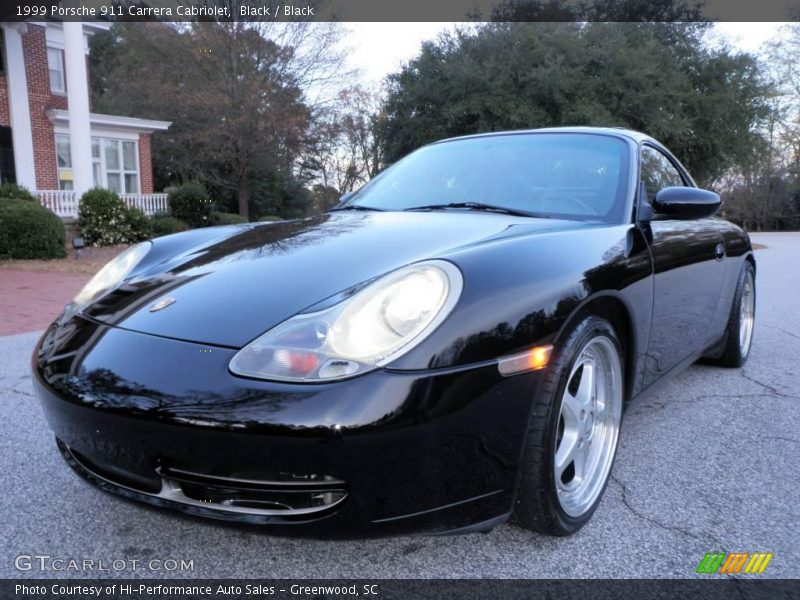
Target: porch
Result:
[64, 203]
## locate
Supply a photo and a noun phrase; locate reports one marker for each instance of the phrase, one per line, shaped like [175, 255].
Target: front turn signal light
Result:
[531, 360]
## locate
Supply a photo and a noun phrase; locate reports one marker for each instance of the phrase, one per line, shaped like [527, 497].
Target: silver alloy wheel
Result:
[591, 410]
[747, 314]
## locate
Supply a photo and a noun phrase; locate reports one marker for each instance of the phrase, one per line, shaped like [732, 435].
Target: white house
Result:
[50, 141]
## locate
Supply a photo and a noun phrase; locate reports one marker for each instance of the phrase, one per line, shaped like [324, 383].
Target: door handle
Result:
[719, 251]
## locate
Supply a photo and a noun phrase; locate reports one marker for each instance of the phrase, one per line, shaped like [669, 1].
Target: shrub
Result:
[12, 191]
[138, 224]
[190, 203]
[164, 224]
[271, 218]
[224, 218]
[104, 218]
[28, 230]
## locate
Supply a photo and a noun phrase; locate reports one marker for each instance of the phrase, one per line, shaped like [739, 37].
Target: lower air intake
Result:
[287, 495]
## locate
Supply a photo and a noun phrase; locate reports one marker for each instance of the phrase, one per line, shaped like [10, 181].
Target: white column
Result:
[19, 108]
[80, 137]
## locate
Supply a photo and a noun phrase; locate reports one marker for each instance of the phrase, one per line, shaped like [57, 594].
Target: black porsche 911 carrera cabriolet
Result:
[454, 344]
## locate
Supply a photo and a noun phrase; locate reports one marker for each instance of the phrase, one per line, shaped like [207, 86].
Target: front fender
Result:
[520, 292]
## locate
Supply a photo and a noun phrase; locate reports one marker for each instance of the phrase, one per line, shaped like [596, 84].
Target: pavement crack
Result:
[781, 329]
[781, 438]
[661, 405]
[665, 526]
[772, 390]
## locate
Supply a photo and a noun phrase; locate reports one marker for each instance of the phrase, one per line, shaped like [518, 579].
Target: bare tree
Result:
[361, 116]
[241, 95]
[784, 57]
[345, 148]
[763, 192]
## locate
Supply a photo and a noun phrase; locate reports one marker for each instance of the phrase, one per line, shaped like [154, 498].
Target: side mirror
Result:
[686, 202]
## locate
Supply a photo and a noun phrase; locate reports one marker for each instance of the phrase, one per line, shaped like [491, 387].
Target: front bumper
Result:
[164, 422]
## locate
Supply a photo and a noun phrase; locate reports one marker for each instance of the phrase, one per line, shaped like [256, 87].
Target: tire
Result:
[737, 343]
[549, 497]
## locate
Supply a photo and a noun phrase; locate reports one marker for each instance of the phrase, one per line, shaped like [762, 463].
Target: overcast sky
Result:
[380, 48]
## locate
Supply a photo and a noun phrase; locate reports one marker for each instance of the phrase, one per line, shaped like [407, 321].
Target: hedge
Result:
[190, 203]
[28, 230]
[104, 218]
[163, 224]
[12, 191]
[138, 224]
[224, 218]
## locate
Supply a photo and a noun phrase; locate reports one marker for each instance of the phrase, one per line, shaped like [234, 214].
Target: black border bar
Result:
[402, 10]
[706, 588]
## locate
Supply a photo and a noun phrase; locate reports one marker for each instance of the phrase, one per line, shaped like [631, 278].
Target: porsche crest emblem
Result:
[162, 304]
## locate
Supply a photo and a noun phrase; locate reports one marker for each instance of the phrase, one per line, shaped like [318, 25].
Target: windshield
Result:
[554, 175]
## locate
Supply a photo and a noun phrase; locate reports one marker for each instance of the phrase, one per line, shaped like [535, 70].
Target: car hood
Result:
[240, 281]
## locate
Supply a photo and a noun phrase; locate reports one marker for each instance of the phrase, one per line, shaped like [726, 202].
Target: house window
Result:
[121, 166]
[115, 164]
[64, 161]
[97, 164]
[7, 174]
[130, 167]
[55, 66]
[2, 53]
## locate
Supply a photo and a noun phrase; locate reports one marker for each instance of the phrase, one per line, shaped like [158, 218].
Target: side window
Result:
[658, 172]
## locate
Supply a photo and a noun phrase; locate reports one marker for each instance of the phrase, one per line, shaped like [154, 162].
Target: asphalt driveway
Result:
[708, 463]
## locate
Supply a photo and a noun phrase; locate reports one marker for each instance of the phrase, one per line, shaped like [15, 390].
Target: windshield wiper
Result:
[356, 207]
[476, 206]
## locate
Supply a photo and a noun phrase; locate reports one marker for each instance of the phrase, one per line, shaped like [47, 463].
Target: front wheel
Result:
[573, 432]
[741, 321]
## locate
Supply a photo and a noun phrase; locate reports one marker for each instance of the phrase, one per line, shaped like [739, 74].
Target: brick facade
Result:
[145, 164]
[40, 99]
[5, 115]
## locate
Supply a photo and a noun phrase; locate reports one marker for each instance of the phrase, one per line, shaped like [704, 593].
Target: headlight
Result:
[367, 330]
[110, 276]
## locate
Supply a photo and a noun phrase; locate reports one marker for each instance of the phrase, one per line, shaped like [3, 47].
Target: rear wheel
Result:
[741, 322]
[573, 432]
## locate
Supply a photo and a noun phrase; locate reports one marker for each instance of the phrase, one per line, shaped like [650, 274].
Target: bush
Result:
[104, 218]
[271, 218]
[28, 230]
[190, 203]
[163, 224]
[12, 191]
[224, 218]
[138, 224]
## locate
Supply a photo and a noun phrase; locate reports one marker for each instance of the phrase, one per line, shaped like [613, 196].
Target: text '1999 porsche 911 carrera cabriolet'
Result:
[454, 344]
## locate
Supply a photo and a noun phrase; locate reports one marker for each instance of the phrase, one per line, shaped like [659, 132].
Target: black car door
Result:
[688, 263]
